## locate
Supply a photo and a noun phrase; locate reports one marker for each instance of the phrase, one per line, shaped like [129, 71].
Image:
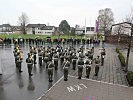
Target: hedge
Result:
[122, 59]
[130, 78]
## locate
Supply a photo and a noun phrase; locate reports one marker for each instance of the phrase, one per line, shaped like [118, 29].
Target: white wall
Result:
[38, 31]
[29, 31]
[126, 31]
[90, 33]
[48, 32]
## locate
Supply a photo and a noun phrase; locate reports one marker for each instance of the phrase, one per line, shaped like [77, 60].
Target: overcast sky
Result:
[53, 11]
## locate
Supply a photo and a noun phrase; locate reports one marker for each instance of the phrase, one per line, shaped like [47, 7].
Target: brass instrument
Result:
[21, 56]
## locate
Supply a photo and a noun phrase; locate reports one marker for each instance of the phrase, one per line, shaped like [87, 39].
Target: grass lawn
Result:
[33, 36]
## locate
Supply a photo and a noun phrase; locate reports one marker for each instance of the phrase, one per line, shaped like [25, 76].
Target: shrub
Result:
[117, 50]
[122, 59]
[130, 77]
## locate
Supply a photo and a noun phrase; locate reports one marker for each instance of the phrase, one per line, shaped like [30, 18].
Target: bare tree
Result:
[119, 30]
[23, 21]
[129, 17]
[105, 20]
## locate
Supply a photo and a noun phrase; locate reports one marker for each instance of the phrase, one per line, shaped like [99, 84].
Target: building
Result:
[40, 29]
[16, 29]
[34, 28]
[81, 30]
[5, 28]
[119, 29]
[47, 30]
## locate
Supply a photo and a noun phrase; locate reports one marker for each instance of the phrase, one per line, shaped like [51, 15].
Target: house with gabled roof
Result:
[5, 28]
[34, 28]
[40, 29]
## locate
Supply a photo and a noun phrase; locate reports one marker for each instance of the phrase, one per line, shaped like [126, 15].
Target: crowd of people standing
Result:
[50, 56]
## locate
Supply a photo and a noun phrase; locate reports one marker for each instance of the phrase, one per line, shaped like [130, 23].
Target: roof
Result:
[35, 25]
[5, 25]
[16, 28]
[47, 27]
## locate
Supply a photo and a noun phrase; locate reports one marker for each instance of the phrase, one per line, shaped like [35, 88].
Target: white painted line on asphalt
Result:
[50, 88]
[102, 82]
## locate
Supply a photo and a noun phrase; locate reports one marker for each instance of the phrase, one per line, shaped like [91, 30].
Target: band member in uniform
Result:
[29, 62]
[50, 71]
[56, 61]
[19, 61]
[80, 67]
[88, 68]
[102, 51]
[74, 61]
[40, 57]
[34, 52]
[97, 62]
[66, 67]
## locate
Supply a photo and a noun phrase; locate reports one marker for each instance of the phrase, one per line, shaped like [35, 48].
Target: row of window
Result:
[45, 32]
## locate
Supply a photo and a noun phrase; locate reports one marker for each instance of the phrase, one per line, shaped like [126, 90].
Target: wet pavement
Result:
[15, 86]
[87, 89]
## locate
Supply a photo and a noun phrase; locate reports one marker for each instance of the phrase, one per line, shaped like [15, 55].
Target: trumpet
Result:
[21, 56]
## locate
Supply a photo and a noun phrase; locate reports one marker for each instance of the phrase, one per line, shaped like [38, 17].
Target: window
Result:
[92, 28]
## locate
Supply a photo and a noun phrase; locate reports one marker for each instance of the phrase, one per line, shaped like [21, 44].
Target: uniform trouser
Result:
[29, 68]
[74, 66]
[40, 61]
[96, 70]
[34, 59]
[80, 73]
[56, 65]
[88, 72]
[65, 74]
[19, 67]
[50, 75]
[46, 64]
[102, 61]
[62, 60]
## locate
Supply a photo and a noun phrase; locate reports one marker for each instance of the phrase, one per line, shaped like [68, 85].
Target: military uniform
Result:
[62, 58]
[16, 57]
[74, 60]
[50, 71]
[34, 55]
[19, 62]
[29, 62]
[88, 68]
[97, 66]
[40, 57]
[66, 66]
[102, 56]
[65, 73]
[80, 67]
[102, 60]
[46, 59]
[56, 61]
